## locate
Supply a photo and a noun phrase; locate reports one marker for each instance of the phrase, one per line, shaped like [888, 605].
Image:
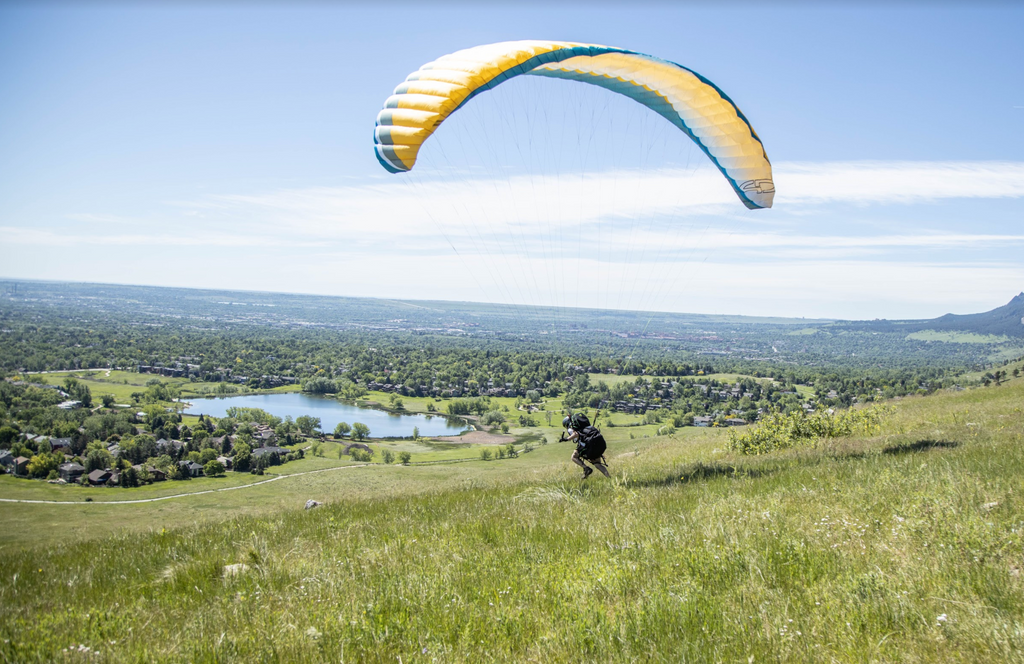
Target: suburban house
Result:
[70, 472]
[33, 438]
[157, 474]
[703, 421]
[60, 444]
[170, 447]
[226, 462]
[736, 422]
[98, 477]
[69, 405]
[191, 467]
[266, 451]
[20, 466]
[6, 459]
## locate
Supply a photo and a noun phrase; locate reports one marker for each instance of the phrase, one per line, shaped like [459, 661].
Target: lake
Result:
[330, 412]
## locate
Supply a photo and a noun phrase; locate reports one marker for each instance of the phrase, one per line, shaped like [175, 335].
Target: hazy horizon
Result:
[729, 314]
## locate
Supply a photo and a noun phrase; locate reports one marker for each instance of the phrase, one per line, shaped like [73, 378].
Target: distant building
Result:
[192, 468]
[70, 472]
[21, 465]
[270, 449]
[703, 421]
[98, 477]
[157, 474]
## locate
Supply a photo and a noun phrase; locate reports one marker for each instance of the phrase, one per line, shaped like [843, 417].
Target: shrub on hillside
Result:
[778, 430]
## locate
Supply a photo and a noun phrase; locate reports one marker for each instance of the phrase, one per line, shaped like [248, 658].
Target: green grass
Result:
[904, 546]
[123, 383]
[956, 337]
[610, 379]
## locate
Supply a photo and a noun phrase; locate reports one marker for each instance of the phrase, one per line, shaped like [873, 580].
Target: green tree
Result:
[492, 417]
[206, 456]
[389, 456]
[155, 416]
[405, 458]
[342, 430]
[213, 468]
[129, 478]
[415, 433]
[108, 400]
[78, 391]
[43, 464]
[360, 431]
[7, 435]
[97, 459]
[307, 424]
[242, 461]
[319, 385]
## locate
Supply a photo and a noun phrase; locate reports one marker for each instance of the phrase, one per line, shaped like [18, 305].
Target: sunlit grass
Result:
[901, 546]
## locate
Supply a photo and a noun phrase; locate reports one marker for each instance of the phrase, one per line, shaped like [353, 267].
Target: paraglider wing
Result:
[687, 100]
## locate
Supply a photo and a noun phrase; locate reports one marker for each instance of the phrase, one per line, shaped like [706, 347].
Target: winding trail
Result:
[179, 495]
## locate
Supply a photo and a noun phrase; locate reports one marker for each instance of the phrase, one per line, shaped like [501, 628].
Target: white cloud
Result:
[662, 239]
[186, 238]
[897, 182]
[415, 205]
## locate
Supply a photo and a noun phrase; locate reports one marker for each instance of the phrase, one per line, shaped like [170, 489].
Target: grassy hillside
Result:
[905, 546]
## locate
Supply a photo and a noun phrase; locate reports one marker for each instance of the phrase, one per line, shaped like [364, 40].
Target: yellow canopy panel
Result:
[686, 99]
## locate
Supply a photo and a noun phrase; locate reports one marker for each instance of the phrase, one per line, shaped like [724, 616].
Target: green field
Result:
[956, 337]
[901, 546]
[123, 383]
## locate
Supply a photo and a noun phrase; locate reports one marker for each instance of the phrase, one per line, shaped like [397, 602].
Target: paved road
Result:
[177, 495]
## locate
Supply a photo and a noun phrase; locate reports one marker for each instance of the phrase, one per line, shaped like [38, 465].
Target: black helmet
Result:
[566, 422]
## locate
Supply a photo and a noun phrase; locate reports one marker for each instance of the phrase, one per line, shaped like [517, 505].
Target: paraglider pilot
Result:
[590, 444]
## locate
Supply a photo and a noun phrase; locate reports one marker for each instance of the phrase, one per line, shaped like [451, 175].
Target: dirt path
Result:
[177, 495]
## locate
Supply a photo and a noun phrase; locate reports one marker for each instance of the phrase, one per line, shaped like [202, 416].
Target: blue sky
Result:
[230, 146]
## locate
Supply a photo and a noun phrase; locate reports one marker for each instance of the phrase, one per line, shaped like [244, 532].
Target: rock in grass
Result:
[310, 504]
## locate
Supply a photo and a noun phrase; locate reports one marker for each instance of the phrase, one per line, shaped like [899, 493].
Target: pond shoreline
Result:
[383, 421]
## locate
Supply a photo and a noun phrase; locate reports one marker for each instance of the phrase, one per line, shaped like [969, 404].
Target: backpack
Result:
[579, 421]
[591, 443]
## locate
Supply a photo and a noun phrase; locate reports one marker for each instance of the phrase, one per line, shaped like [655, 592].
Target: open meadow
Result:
[902, 545]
